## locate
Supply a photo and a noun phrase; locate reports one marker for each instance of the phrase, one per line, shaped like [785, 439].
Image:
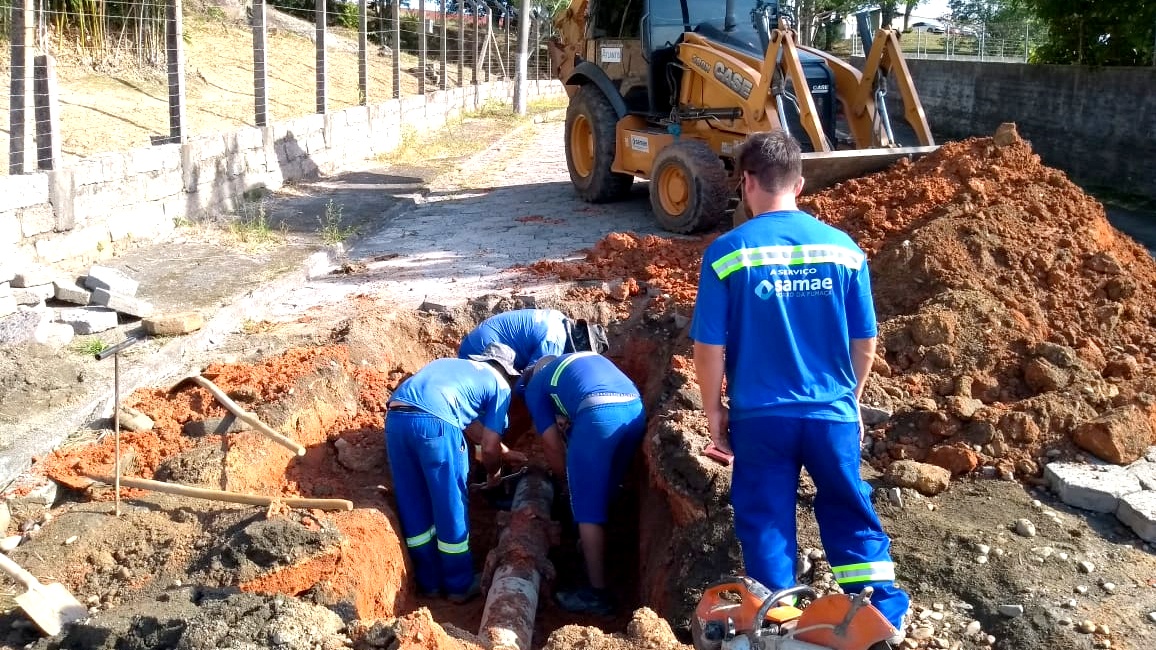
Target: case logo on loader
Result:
[640, 143]
[733, 80]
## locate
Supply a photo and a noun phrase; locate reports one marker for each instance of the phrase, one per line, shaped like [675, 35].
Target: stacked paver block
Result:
[1128, 492]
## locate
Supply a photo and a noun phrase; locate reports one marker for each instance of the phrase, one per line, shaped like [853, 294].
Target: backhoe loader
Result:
[666, 89]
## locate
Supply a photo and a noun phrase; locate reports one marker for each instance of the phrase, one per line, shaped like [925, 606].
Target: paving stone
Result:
[1092, 487]
[174, 324]
[1145, 472]
[1138, 511]
[7, 272]
[88, 320]
[8, 307]
[54, 335]
[127, 305]
[33, 277]
[113, 280]
[65, 291]
[33, 295]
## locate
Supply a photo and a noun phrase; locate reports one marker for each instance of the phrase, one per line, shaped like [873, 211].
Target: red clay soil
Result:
[670, 265]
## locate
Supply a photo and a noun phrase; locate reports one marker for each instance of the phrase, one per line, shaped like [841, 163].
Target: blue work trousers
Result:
[768, 454]
[428, 458]
[602, 442]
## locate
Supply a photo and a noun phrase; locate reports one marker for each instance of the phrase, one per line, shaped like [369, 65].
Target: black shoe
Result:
[585, 601]
[435, 593]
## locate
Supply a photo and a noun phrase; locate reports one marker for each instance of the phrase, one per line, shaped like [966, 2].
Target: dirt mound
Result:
[670, 265]
[646, 630]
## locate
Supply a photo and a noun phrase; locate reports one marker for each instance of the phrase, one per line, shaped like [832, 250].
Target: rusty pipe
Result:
[518, 565]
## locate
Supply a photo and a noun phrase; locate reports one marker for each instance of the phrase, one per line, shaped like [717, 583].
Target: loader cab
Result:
[634, 42]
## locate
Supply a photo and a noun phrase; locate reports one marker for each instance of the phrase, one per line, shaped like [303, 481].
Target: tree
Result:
[1096, 32]
[911, 4]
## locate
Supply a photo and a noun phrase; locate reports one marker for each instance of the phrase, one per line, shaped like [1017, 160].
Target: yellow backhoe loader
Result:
[665, 89]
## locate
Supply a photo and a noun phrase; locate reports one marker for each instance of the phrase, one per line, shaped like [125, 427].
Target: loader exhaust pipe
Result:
[731, 22]
[515, 569]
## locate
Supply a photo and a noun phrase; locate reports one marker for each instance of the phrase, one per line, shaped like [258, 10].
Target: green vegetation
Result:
[252, 225]
[332, 232]
[91, 347]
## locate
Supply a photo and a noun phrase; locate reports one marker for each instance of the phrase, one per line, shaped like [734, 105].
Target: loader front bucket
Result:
[824, 169]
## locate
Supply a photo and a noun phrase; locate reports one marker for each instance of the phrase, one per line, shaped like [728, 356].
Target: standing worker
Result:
[788, 299]
[591, 420]
[533, 334]
[432, 419]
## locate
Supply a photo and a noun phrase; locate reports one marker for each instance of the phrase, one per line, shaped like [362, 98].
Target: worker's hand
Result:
[718, 423]
[515, 459]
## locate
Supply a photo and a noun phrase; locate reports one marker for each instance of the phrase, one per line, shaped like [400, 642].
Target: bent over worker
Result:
[432, 418]
[591, 420]
[784, 305]
[533, 334]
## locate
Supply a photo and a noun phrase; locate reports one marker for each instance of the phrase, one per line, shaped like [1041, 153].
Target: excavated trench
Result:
[666, 537]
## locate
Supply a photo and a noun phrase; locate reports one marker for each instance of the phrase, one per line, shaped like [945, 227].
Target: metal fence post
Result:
[319, 38]
[48, 154]
[445, 34]
[260, 69]
[461, 44]
[23, 25]
[422, 61]
[363, 53]
[175, 56]
[477, 61]
[537, 50]
[509, 61]
[397, 49]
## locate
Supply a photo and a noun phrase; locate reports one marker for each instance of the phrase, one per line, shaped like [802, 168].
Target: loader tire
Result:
[590, 141]
[688, 187]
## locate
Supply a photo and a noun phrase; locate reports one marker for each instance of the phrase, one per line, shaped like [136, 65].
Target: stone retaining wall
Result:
[80, 213]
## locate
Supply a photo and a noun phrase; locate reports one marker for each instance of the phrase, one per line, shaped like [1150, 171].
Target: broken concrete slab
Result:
[1145, 472]
[20, 326]
[127, 305]
[34, 277]
[53, 335]
[89, 320]
[65, 291]
[110, 279]
[174, 324]
[134, 420]
[33, 295]
[7, 272]
[873, 416]
[1092, 487]
[1138, 512]
[8, 307]
[29, 497]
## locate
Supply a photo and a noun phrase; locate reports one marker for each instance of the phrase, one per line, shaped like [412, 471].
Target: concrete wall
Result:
[82, 212]
[1097, 124]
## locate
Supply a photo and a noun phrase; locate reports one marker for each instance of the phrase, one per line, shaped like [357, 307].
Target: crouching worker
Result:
[433, 418]
[533, 334]
[591, 420]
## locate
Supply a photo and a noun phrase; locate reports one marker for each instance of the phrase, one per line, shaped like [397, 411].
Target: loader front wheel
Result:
[590, 141]
[688, 187]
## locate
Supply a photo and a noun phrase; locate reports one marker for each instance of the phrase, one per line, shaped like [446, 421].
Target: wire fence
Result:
[994, 42]
[92, 76]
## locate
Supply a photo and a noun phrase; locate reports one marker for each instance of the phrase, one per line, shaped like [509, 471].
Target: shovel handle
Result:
[222, 495]
[7, 565]
[247, 417]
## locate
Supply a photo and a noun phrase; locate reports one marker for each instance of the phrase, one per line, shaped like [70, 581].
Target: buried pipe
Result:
[517, 567]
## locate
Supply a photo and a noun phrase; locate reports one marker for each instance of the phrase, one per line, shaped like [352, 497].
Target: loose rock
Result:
[927, 479]
[174, 324]
[1085, 567]
[1087, 627]
[1011, 611]
[1025, 528]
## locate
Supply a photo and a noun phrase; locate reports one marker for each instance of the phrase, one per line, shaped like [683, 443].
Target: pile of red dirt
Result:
[670, 265]
[1013, 317]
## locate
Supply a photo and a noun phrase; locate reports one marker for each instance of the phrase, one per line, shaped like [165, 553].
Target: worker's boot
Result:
[474, 590]
[586, 600]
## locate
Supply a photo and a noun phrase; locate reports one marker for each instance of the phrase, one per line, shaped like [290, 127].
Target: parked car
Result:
[930, 28]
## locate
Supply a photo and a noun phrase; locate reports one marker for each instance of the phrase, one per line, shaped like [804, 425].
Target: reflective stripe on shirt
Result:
[787, 256]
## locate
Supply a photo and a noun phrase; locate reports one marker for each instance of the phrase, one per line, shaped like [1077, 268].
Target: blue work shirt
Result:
[459, 391]
[559, 387]
[531, 333]
[785, 293]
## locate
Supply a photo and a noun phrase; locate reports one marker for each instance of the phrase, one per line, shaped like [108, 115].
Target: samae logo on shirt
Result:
[797, 288]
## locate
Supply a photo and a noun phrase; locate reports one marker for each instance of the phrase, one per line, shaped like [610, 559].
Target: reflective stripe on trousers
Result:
[421, 539]
[864, 572]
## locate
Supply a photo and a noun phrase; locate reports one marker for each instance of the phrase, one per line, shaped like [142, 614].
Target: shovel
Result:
[241, 414]
[50, 606]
